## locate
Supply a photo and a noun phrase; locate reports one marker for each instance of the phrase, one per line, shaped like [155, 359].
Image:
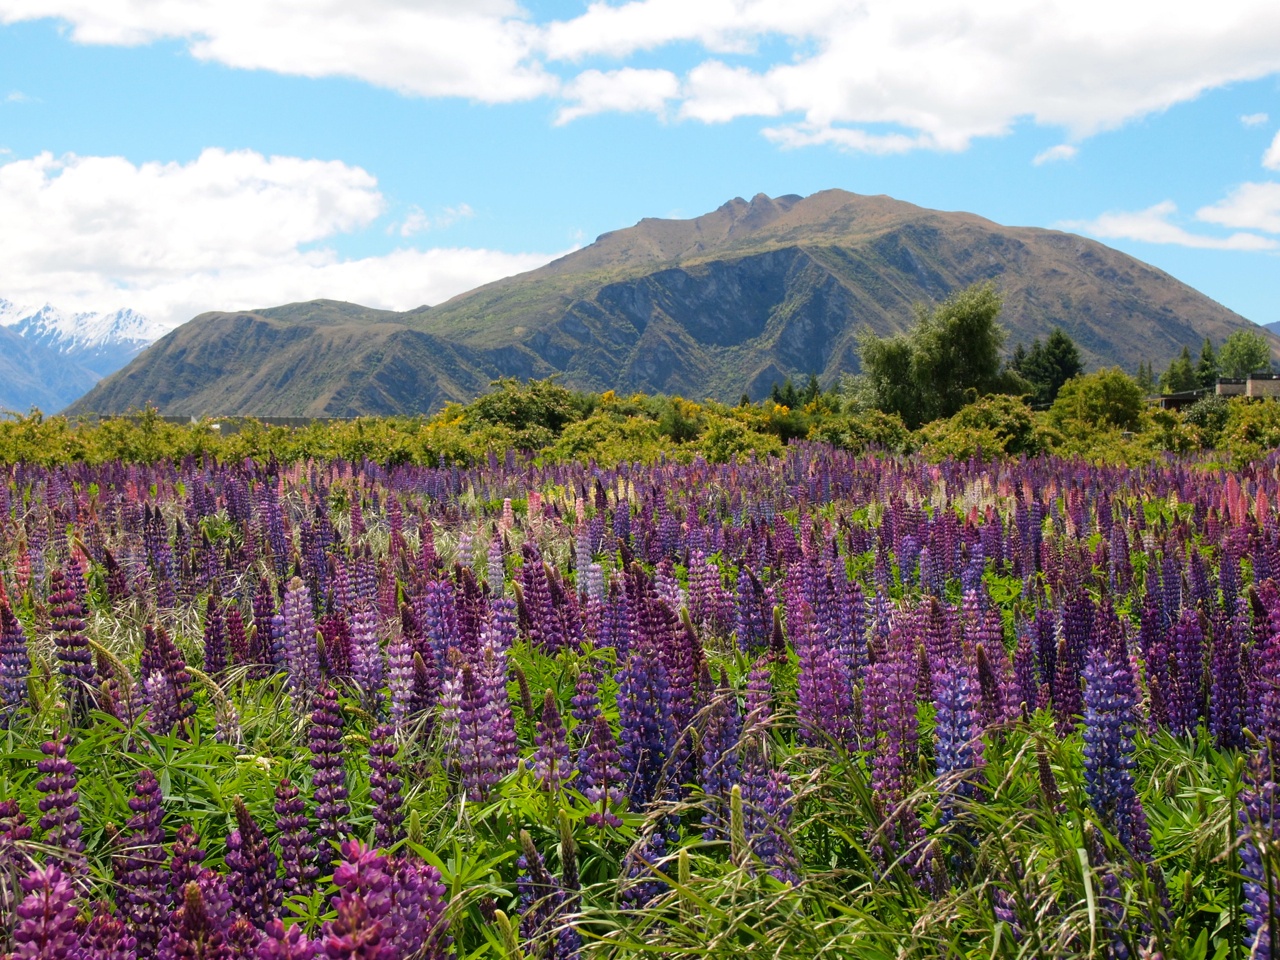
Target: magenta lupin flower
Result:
[46, 917]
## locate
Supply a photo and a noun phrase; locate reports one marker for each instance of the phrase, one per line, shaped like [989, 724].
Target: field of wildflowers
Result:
[816, 705]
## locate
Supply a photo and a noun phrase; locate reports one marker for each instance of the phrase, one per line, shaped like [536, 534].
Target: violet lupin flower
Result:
[1109, 724]
[958, 732]
[367, 664]
[293, 830]
[144, 895]
[362, 929]
[60, 806]
[251, 870]
[1260, 841]
[75, 661]
[46, 917]
[551, 759]
[767, 801]
[302, 656]
[720, 767]
[585, 704]
[328, 783]
[417, 907]
[385, 786]
[15, 665]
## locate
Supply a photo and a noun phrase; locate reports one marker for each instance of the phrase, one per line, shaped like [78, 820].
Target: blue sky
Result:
[192, 155]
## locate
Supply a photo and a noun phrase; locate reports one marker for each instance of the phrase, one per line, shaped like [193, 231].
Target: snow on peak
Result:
[67, 332]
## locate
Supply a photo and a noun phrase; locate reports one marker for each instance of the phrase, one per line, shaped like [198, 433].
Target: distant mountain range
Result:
[49, 357]
[716, 306]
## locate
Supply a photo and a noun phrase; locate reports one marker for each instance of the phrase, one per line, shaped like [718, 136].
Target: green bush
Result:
[995, 425]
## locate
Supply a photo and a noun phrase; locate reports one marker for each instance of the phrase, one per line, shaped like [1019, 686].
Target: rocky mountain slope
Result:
[710, 307]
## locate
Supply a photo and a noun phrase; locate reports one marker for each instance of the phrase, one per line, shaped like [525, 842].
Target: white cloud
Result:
[1063, 151]
[229, 230]
[626, 91]
[936, 73]
[419, 221]
[16, 96]
[1271, 159]
[1153, 225]
[1254, 119]
[1250, 206]
[480, 49]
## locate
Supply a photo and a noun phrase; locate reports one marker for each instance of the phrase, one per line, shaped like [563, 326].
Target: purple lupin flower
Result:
[251, 870]
[215, 637]
[166, 683]
[551, 758]
[599, 773]
[385, 786]
[1184, 698]
[824, 697]
[184, 863]
[144, 894]
[75, 661]
[302, 656]
[891, 710]
[106, 937]
[400, 667]
[60, 806]
[1226, 701]
[328, 782]
[479, 735]
[648, 734]
[237, 639]
[545, 907]
[767, 802]
[417, 907]
[46, 917]
[15, 664]
[293, 830]
[1109, 725]
[585, 704]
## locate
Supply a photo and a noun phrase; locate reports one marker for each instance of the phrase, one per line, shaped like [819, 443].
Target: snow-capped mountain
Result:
[100, 342]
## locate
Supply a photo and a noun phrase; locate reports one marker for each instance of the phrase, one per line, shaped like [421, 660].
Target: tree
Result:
[948, 359]
[1207, 368]
[1146, 378]
[1106, 399]
[1049, 366]
[1243, 353]
[1181, 374]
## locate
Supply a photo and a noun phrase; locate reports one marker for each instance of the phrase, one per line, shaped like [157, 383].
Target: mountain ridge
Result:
[716, 305]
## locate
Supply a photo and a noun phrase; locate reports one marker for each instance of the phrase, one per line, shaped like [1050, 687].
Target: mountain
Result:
[100, 342]
[722, 304]
[32, 375]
